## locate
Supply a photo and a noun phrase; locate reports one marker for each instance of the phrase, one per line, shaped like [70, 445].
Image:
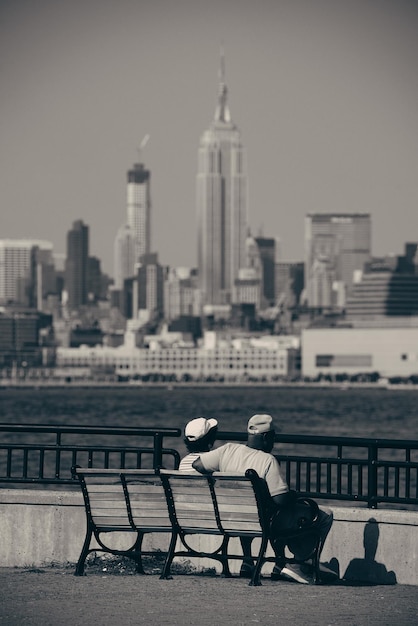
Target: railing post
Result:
[158, 450]
[372, 477]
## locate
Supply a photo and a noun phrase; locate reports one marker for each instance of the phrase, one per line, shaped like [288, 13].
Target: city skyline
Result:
[324, 94]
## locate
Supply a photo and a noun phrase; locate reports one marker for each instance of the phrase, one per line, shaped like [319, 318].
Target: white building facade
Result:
[388, 351]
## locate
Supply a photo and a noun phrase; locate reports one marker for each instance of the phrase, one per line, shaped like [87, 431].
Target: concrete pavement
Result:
[53, 596]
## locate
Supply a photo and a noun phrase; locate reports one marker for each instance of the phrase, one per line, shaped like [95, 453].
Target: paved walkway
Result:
[52, 596]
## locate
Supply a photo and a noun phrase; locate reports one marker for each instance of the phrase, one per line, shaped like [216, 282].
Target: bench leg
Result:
[165, 574]
[79, 569]
[137, 548]
[226, 572]
[255, 579]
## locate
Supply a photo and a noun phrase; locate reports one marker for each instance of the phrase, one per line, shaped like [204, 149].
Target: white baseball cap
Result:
[260, 423]
[199, 427]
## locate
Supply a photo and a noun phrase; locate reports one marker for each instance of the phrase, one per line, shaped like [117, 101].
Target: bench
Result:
[111, 506]
[183, 505]
[227, 506]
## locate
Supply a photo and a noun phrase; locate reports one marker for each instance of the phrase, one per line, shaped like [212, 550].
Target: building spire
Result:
[222, 113]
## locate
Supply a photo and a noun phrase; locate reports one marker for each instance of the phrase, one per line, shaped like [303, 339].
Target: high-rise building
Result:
[269, 255]
[20, 277]
[336, 246]
[139, 208]
[133, 238]
[221, 204]
[76, 265]
[150, 282]
[124, 255]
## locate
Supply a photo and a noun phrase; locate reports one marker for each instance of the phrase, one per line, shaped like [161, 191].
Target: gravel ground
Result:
[112, 593]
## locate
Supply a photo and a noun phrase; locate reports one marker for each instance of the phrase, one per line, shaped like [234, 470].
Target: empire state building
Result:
[221, 204]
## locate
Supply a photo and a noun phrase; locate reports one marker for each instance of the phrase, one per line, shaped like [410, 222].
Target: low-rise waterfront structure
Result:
[267, 358]
[388, 351]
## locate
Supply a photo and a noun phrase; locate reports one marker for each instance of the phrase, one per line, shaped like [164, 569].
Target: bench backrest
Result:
[104, 498]
[216, 504]
[146, 500]
[118, 499]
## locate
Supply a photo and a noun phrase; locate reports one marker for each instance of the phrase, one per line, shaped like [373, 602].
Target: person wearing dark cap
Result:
[256, 455]
[199, 436]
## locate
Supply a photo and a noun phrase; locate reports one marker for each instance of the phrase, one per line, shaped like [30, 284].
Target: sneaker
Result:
[295, 574]
[246, 570]
[324, 571]
[276, 574]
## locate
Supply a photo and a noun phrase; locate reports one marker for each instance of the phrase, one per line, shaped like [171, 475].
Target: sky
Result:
[324, 92]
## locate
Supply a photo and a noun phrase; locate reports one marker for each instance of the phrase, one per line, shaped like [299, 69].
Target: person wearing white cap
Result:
[256, 454]
[199, 436]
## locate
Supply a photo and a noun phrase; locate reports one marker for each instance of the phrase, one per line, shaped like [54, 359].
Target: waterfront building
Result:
[388, 351]
[221, 204]
[23, 265]
[336, 246]
[245, 359]
[76, 265]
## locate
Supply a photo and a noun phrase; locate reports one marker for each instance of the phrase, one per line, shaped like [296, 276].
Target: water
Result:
[370, 412]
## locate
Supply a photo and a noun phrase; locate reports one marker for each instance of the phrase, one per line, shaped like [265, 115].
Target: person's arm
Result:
[199, 467]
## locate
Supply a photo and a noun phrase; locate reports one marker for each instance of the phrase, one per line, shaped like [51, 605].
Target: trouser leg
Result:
[304, 546]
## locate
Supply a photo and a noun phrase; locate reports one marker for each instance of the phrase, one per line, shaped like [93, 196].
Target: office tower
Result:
[19, 273]
[133, 238]
[76, 265]
[139, 208]
[221, 204]
[336, 245]
[150, 283]
[180, 294]
[387, 288]
[124, 255]
[289, 282]
[268, 248]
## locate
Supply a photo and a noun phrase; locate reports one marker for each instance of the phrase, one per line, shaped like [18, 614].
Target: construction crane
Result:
[142, 146]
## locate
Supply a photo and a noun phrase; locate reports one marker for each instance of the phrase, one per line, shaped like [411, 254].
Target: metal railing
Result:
[44, 454]
[370, 471]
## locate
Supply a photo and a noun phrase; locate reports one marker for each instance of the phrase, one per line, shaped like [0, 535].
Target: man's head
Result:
[200, 434]
[261, 432]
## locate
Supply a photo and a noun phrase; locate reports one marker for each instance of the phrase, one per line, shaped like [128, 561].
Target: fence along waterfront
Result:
[370, 471]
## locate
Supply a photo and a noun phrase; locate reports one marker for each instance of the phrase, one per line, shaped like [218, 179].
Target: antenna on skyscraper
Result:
[142, 146]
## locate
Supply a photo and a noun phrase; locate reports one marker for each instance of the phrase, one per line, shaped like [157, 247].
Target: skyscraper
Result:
[139, 208]
[76, 264]
[221, 204]
[124, 255]
[336, 245]
[133, 238]
[19, 261]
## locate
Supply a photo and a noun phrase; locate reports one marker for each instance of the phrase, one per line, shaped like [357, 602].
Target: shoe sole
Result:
[294, 577]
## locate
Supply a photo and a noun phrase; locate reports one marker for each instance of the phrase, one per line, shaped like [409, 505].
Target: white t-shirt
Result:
[186, 464]
[237, 458]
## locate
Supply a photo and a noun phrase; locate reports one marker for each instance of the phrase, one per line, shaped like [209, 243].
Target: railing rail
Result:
[47, 460]
[370, 471]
